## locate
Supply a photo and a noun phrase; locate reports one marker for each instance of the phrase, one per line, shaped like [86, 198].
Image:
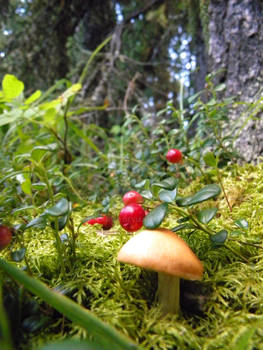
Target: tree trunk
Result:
[235, 48]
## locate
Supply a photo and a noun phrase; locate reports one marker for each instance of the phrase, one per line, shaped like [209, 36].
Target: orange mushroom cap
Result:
[163, 251]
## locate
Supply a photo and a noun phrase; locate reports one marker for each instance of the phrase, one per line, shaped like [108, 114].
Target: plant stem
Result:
[236, 253]
[56, 231]
[223, 188]
[73, 235]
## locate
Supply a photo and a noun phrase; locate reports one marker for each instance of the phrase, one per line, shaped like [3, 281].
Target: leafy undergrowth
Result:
[223, 311]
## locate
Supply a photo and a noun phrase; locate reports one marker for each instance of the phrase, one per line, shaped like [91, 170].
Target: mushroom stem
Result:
[169, 293]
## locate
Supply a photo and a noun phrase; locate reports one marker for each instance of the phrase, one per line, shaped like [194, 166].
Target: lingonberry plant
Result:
[190, 219]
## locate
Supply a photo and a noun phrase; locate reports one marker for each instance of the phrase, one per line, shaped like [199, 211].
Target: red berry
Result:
[131, 217]
[132, 197]
[90, 222]
[5, 236]
[174, 155]
[105, 221]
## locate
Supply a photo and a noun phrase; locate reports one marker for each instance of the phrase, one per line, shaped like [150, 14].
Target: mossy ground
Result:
[223, 311]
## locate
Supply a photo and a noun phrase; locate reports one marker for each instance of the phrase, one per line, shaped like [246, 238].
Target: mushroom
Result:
[161, 250]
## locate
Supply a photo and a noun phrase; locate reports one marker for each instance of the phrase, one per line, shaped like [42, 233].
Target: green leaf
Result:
[169, 184]
[12, 87]
[147, 194]
[39, 186]
[69, 92]
[59, 209]
[184, 219]
[156, 216]
[62, 221]
[25, 180]
[50, 116]
[10, 116]
[35, 96]
[242, 223]
[206, 215]
[144, 183]
[219, 238]
[39, 222]
[220, 87]
[168, 196]
[18, 255]
[210, 159]
[207, 192]
[182, 227]
[38, 151]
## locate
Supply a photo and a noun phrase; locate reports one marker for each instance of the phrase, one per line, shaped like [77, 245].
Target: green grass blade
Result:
[101, 332]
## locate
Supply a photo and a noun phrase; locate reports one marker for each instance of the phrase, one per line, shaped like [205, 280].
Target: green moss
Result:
[217, 313]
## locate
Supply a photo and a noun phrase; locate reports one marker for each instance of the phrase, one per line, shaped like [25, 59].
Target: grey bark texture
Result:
[236, 49]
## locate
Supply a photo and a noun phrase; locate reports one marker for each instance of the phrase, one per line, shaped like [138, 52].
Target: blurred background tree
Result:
[155, 44]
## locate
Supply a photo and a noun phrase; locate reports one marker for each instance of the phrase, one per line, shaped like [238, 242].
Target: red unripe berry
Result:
[105, 221]
[174, 155]
[132, 197]
[5, 236]
[131, 217]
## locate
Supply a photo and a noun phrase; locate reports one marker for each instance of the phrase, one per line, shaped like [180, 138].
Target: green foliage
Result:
[58, 171]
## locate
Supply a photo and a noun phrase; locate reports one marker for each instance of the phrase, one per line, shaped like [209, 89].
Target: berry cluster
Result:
[132, 214]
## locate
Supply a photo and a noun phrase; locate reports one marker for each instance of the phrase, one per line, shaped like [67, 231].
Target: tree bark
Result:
[235, 49]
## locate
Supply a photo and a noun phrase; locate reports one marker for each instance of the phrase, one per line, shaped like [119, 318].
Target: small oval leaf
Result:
[12, 87]
[182, 227]
[39, 222]
[140, 184]
[169, 183]
[39, 186]
[242, 223]
[147, 194]
[18, 255]
[206, 215]
[168, 196]
[207, 192]
[156, 216]
[219, 238]
[183, 219]
[59, 209]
